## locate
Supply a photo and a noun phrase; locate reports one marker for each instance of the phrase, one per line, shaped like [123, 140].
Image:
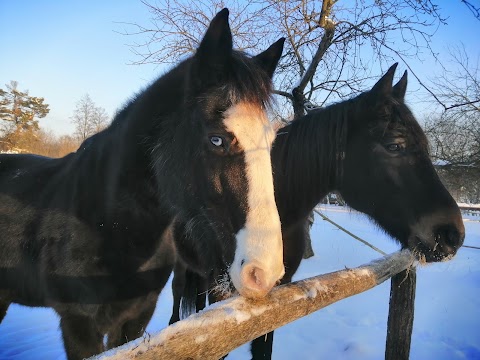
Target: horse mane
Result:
[307, 153]
[241, 80]
[246, 81]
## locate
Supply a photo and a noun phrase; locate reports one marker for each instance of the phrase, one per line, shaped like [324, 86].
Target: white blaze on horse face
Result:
[258, 262]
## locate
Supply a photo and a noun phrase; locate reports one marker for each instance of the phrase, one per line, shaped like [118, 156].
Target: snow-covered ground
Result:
[447, 314]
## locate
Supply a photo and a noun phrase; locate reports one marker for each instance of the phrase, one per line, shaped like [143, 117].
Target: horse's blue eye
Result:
[216, 140]
[394, 147]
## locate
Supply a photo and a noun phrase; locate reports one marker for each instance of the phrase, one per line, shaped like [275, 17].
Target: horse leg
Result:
[202, 289]
[135, 327]
[81, 337]
[261, 347]
[178, 284]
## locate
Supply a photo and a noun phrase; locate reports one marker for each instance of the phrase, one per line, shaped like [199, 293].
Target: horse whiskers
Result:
[422, 260]
[223, 287]
[447, 258]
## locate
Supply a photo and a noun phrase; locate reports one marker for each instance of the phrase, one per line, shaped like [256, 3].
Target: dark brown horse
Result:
[84, 234]
[373, 152]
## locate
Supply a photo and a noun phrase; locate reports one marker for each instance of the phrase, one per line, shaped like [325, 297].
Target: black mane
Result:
[310, 165]
[299, 153]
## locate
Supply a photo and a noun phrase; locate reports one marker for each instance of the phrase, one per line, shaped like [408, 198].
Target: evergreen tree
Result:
[19, 114]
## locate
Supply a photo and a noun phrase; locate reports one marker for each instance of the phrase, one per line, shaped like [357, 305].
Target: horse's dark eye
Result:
[216, 140]
[393, 147]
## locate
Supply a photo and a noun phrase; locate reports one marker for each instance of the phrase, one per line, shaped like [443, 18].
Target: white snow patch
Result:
[312, 293]
[297, 297]
[363, 272]
[258, 310]
[241, 316]
[200, 339]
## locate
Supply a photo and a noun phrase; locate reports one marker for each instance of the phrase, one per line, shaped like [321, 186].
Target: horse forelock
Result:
[242, 80]
[398, 120]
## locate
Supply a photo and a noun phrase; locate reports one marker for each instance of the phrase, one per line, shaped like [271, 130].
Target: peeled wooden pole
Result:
[224, 326]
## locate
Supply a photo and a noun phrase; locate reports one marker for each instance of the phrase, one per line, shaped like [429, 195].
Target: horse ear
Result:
[217, 44]
[400, 88]
[268, 60]
[384, 85]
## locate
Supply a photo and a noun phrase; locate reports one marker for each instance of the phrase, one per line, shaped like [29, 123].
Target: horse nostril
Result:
[255, 283]
[448, 237]
[452, 238]
[257, 277]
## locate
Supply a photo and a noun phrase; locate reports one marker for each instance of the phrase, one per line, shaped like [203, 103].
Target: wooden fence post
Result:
[400, 315]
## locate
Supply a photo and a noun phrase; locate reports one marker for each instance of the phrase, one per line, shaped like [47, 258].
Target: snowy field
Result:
[447, 313]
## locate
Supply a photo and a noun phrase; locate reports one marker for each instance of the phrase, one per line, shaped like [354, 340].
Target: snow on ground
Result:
[447, 314]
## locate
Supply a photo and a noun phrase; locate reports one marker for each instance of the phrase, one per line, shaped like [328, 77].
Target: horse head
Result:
[227, 202]
[388, 174]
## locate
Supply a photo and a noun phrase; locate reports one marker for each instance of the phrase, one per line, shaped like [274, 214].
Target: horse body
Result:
[373, 152]
[71, 237]
[88, 234]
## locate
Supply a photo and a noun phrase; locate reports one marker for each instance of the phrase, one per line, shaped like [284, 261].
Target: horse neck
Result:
[118, 160]
[307, 157]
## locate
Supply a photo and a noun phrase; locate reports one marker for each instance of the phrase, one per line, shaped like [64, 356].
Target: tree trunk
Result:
[298, 103]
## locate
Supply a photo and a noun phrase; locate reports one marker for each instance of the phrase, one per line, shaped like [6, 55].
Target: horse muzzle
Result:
[256, 269]
[439, 236]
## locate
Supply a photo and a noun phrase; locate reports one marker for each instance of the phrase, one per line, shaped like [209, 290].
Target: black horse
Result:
[373, 152]
[85, 234]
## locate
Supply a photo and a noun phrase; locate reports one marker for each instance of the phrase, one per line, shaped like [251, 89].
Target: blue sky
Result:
[61, 50]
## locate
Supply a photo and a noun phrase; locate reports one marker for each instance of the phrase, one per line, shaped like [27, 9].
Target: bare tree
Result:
[88, 118]
[331, 45]
[455, 151]
[453, 141]
[455, 134]
[474, 8]
[458, 88]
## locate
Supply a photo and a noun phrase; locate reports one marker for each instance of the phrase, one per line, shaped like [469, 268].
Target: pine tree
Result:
[19, 114]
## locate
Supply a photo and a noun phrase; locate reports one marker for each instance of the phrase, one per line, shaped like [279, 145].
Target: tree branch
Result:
[325, 43]
[283, 93]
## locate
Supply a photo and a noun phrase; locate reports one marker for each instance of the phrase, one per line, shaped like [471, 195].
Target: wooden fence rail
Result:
[224, 326]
